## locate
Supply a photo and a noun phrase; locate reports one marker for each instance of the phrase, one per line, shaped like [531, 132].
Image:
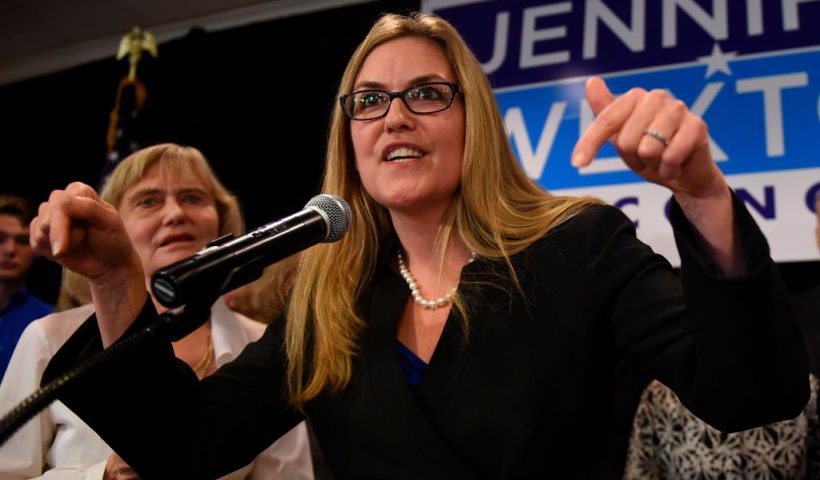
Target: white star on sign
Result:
[717, 61]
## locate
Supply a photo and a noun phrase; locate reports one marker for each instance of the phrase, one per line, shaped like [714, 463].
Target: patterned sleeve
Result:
[668, 441]
[642, 462]
[813, 437]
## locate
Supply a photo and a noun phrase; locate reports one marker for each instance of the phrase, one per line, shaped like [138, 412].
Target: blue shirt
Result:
[22, 308]
[412, 366]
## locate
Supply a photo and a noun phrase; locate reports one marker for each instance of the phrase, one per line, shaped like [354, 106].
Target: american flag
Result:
[125, 127]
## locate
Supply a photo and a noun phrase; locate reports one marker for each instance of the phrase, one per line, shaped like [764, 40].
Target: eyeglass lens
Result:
[427, 98]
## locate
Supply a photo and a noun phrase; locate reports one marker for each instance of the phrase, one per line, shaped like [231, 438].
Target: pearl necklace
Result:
[414, 288]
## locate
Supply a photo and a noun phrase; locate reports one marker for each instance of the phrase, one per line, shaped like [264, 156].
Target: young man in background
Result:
[18, 307]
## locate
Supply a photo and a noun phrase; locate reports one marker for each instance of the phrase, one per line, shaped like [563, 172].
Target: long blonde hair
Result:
[497, 212]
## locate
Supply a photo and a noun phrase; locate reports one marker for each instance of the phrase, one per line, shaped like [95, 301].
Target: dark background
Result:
[255, 99]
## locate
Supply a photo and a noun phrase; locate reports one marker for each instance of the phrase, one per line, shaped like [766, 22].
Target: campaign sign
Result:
[750, 69]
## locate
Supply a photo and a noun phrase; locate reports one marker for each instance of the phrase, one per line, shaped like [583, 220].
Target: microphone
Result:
[228, 262]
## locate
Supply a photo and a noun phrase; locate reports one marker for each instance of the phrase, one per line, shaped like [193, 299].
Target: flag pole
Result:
[123, 136]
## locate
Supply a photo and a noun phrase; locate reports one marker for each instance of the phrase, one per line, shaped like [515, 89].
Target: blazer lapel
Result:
[386, 306]
[421, 429]
[453, 355]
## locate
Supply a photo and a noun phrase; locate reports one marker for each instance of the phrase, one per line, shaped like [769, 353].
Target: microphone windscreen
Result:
[336, 212]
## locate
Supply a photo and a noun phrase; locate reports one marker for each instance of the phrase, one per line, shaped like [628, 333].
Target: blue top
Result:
[412, 366]
[22, 308]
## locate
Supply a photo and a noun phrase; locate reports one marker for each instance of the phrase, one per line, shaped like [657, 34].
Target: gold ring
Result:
[651, 132]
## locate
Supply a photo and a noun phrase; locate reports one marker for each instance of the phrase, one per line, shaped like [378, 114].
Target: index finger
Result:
[55, 222]
[607, 123]
[70, 205]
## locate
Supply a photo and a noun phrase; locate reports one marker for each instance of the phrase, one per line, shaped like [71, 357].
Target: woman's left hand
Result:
[656, 136]
[665, 143]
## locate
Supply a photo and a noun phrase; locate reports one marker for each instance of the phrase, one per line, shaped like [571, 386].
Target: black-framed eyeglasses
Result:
[421, 99]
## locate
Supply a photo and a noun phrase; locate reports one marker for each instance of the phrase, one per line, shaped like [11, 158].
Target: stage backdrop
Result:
[255, 99]
[750, 68]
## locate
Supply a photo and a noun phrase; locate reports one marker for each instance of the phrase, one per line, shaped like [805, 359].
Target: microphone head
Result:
[336, 213]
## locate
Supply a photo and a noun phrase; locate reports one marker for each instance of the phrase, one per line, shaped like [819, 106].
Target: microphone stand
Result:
[171, 325]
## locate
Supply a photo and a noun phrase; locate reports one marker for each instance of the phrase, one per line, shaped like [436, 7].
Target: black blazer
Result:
[526, 394]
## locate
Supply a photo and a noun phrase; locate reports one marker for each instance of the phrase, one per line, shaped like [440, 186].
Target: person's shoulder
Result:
[59, 326]
[253, 328]
[44, 336]
[227, 320]
[595, 231]
[599, 214]
[595, 221]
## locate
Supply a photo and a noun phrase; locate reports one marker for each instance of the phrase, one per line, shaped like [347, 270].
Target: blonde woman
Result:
[470, 324]
[171, 205]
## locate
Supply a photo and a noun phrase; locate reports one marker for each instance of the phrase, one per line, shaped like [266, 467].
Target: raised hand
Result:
[656, 136]
[82, 233]
[665, 143]
[86, 235]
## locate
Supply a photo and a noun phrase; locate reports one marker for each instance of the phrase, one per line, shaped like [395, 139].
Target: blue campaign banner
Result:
[762, 115]
[531, 41]
[750, 69]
